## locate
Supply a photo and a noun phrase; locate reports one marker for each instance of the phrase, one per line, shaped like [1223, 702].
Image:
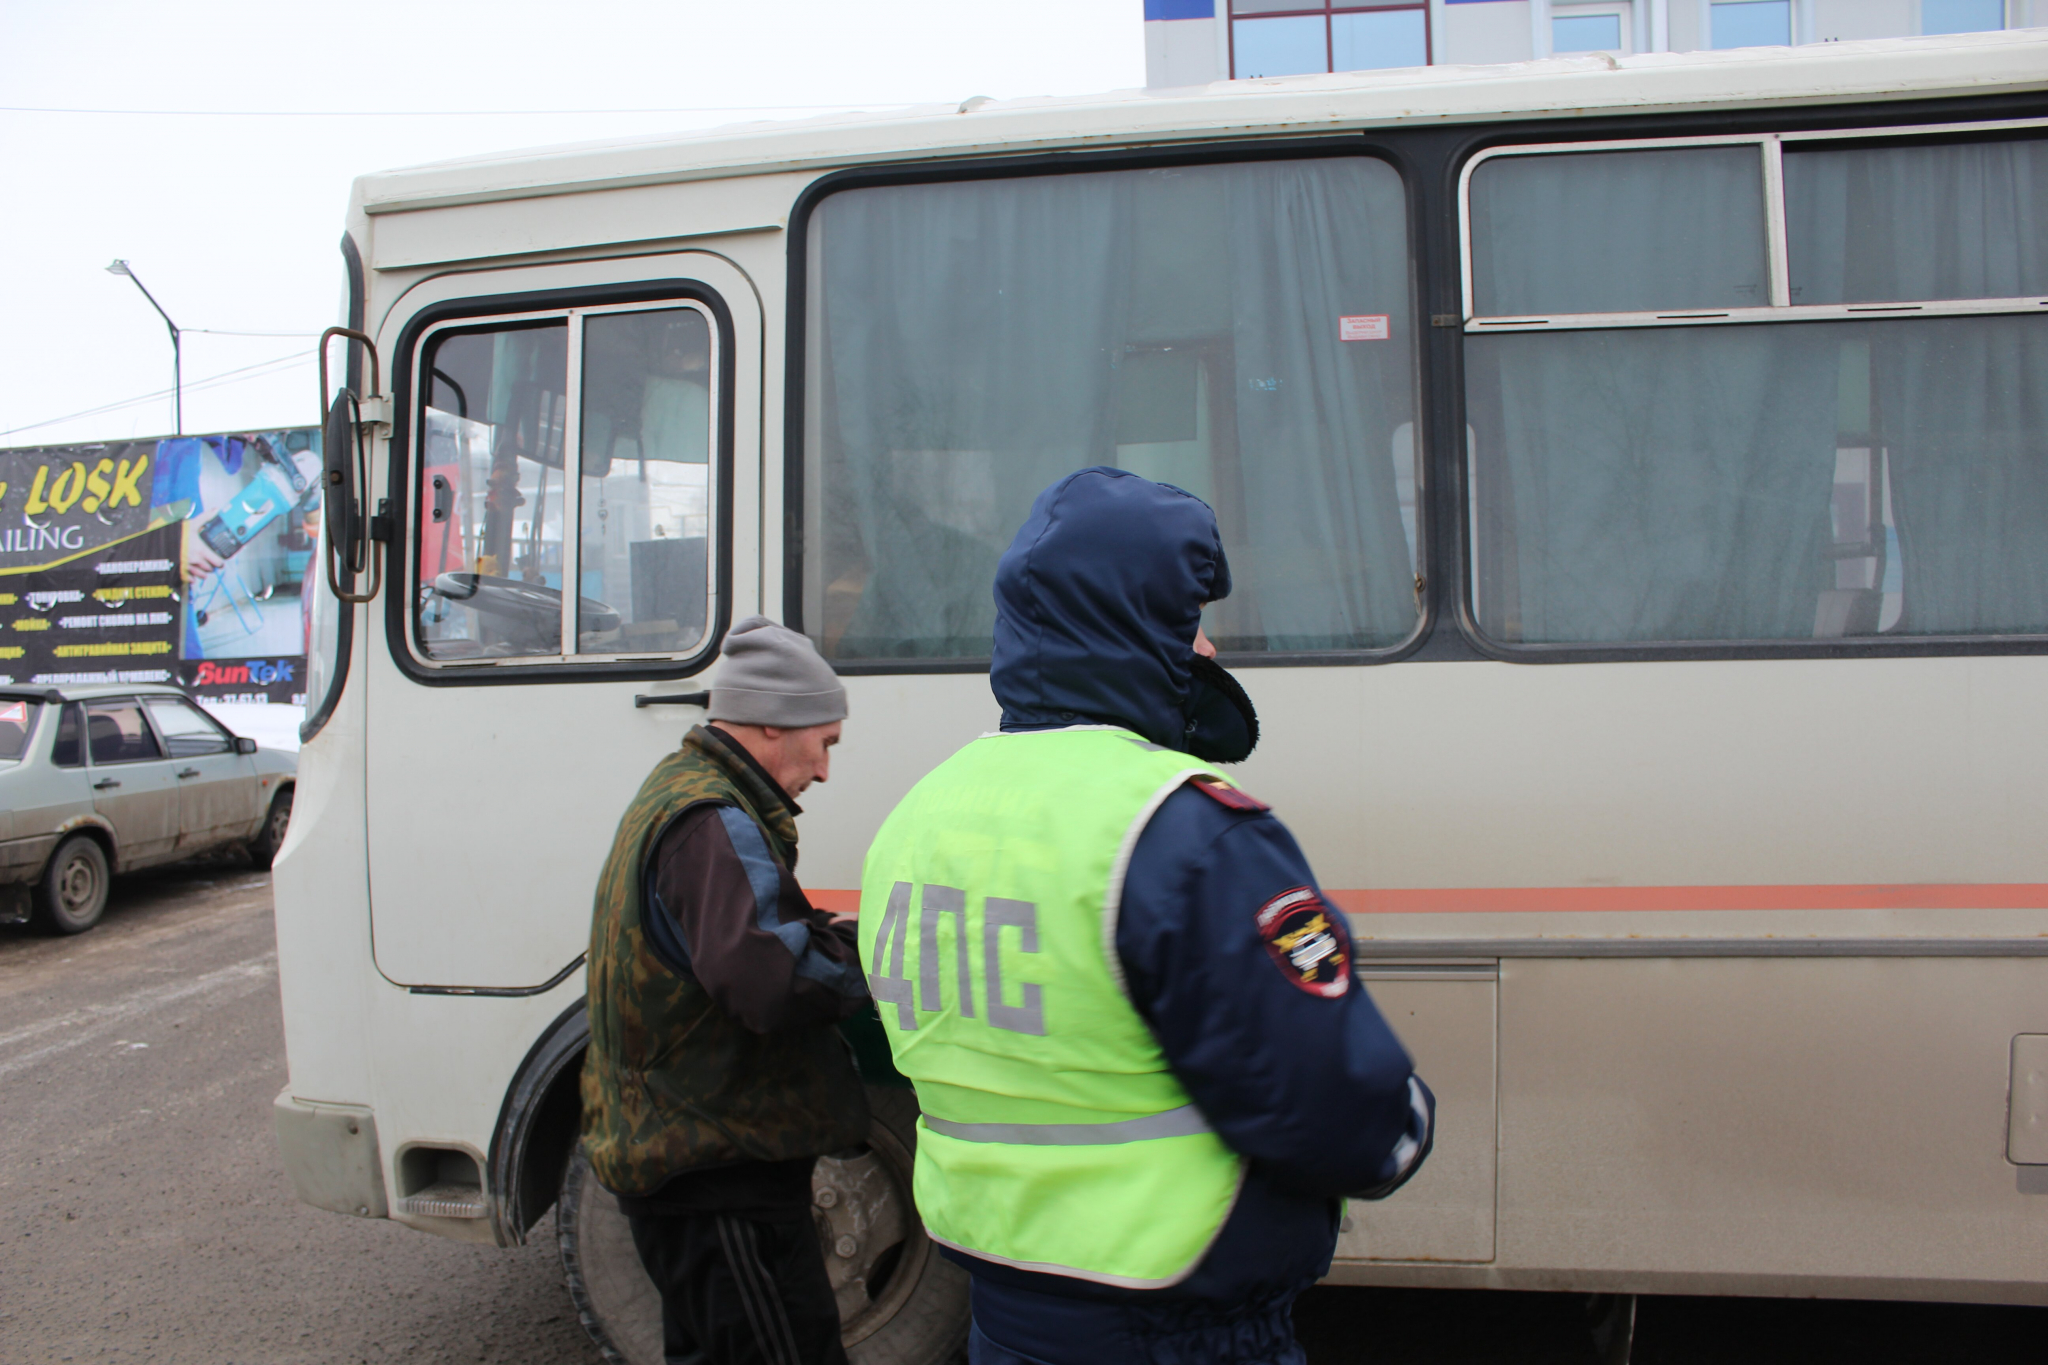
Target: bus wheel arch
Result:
[538, 1127]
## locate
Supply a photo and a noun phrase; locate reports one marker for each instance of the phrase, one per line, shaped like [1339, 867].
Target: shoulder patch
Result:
[1307, 942]
[1223, 794]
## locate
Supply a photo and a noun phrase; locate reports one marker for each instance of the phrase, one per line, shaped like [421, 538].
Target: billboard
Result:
[176, 560]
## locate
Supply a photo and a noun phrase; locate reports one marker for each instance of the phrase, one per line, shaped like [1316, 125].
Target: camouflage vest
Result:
[671, 1081]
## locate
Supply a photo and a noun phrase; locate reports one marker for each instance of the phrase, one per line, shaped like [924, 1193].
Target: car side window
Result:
[68, 752]
[17, 722]
[115, 732]
[187, 731]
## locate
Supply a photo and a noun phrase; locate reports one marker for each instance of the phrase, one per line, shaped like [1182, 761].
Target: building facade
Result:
[1193, 42]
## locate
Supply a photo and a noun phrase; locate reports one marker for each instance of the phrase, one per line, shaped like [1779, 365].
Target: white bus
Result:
[1636, 479]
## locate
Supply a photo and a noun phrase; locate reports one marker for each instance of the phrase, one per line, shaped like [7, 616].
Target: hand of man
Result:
[199, 562]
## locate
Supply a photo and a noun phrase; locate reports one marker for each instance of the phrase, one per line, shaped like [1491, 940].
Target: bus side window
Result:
[1651, 479]
[1241, 330]
[646, 491]
[490, 493]
[503, 536]
[1613, 232]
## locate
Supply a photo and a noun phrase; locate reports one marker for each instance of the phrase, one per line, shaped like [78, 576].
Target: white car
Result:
[118, 776]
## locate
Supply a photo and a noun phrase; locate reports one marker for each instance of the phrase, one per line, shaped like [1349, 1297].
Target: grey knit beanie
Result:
[771, 675]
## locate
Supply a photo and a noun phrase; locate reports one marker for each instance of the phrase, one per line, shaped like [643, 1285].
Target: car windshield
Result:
[17, 719]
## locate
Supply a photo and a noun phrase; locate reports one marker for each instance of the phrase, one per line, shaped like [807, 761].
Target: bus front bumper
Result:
[330, 1152]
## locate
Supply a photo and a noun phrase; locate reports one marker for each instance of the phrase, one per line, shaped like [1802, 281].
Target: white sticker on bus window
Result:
[1362, 327]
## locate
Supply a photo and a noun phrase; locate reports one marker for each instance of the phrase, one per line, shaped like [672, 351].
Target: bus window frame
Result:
[539, 306]
[1771, 165]
[1393, 151]
[1834, 128]
[344, 612]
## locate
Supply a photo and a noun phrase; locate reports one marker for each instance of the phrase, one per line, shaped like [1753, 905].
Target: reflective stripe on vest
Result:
[1181, 1122]
[1054, 1135]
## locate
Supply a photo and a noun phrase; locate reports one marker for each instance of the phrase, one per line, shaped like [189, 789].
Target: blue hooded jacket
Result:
[1097, 603]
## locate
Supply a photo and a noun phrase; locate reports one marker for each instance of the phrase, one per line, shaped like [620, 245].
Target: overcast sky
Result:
[232, 219]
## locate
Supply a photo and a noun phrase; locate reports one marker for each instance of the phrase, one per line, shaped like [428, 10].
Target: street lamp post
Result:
[177, 359]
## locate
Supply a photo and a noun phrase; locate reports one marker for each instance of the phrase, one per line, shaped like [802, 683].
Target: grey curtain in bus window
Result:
[1885, 224]
[1960, 406]
[1652, 484]
[1618, 232]
[972, 342]
[1744, 483]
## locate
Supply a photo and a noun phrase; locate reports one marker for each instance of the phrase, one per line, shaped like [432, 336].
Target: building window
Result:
[1961, 16]
[1592, 28]
[1752, 23]
[1298, 38]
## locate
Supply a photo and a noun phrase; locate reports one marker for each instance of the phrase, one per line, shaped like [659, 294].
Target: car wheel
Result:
[900, 1302]
[263, 848]
[72, 894]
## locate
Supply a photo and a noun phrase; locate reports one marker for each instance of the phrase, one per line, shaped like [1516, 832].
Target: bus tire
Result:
[71, 895]
[615, 1301]
[901, 1303]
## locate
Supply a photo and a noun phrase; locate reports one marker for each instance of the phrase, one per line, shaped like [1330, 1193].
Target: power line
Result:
[219, 332]
[439, 113]
[235, 376]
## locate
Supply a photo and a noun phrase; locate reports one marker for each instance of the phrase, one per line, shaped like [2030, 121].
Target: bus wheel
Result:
[616, 1302]
[900, 1302]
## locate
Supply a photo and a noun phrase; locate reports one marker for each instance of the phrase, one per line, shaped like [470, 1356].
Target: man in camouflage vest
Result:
[716, 1075]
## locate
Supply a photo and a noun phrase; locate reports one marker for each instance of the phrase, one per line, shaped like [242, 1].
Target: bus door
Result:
[566, 480]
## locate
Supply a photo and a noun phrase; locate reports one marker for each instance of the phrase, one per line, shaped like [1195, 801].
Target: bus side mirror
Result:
[349, 548]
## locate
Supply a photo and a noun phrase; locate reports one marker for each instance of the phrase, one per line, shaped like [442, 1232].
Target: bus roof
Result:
[1819, 73]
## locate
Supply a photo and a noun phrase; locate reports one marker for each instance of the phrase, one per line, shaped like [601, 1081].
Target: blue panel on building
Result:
[1179, 9]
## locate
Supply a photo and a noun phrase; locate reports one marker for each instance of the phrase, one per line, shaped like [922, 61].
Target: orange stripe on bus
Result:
[1495, 900]
[1499, 900]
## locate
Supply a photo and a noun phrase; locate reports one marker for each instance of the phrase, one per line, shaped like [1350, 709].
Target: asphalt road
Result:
[144, 1215]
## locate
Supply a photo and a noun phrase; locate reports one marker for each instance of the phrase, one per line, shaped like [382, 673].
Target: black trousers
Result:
[744, 1288]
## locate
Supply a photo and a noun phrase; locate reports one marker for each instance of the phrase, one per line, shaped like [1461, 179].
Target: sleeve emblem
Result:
[1307, 942]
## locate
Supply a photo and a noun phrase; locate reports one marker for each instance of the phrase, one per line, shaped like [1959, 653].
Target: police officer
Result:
[1146, 1070]
[715, 1076]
